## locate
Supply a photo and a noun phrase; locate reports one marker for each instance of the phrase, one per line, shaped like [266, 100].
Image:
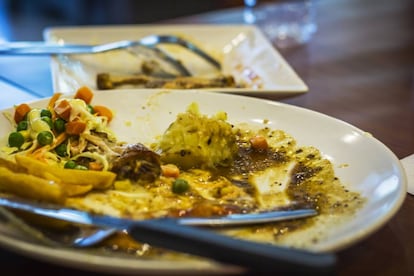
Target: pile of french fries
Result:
[31, 178]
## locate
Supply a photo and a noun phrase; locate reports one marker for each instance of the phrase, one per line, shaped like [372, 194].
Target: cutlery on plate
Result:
[150, 42]
[169, 234]
[90, 236]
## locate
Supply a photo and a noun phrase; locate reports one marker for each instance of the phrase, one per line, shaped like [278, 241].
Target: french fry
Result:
[97, 179]
[70, 189]
[11, 165]
[75, 190]
[30, 186]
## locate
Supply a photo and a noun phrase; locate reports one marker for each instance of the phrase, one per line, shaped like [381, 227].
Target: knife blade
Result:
[169, 234]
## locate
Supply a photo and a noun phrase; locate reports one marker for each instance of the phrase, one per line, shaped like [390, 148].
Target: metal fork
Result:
[150, 42]
[90, 236]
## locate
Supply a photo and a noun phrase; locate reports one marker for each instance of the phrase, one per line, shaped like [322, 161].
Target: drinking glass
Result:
[285, 23]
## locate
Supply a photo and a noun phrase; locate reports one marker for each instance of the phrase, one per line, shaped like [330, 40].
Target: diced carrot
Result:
[101, 110]
[259, 142]
[53, 100]
[75, 127]
[63, 110]
[95, 166]
[21, 111]
[170, 170]
[51, 104]
[85, 94]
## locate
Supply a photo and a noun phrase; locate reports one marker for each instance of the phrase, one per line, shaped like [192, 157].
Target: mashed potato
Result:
[197, 141]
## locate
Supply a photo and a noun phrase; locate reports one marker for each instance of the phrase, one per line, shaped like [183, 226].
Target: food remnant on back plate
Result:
[156, 70]
[105, 81]
[200, 166]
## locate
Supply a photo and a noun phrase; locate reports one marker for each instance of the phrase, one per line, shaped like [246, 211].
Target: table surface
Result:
[359, 67]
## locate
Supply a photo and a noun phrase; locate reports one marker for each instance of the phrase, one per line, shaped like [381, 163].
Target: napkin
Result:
[408, 164]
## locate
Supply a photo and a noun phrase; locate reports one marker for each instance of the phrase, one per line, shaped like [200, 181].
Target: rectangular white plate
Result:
[242, 49]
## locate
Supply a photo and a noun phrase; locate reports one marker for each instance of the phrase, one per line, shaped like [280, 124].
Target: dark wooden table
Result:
[359, 67]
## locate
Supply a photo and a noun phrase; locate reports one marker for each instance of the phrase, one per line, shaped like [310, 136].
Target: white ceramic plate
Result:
[408, 164]
[140, 115]
[243, 51]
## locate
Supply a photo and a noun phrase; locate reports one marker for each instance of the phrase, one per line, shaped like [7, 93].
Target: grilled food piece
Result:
[137, 163]
[105, 81]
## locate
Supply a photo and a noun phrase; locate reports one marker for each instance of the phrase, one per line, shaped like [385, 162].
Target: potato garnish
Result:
[31, 186]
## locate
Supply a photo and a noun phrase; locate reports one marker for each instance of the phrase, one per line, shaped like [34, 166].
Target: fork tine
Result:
[94, 238]
[164, 56]
[153, 40]
[82, 237]
[28, 230]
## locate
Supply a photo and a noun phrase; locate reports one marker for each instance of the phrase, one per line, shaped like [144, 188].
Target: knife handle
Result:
[258, 257]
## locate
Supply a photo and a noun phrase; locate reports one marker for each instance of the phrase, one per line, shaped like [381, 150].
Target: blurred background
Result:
[17, 15]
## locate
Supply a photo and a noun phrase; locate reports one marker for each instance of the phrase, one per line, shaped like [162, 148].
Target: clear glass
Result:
[285, 23]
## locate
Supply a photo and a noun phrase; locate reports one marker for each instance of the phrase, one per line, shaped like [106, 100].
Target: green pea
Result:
[180, 186]
[45, 113]
[16, 139]
[48, 120]
[59, 125]
[90, 109]
[70, 164]
[22, 125]
[45, 138]
[61, 150]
